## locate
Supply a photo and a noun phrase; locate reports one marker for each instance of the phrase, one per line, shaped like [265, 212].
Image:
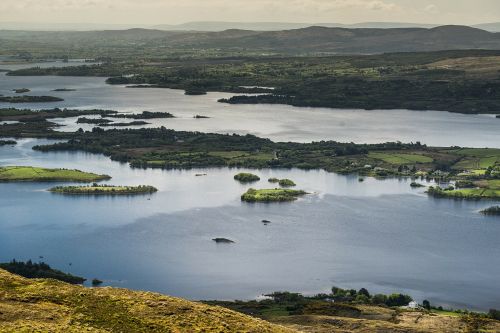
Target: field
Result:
[33, 174]
[485, 189]
[397, 158]
[480, 158]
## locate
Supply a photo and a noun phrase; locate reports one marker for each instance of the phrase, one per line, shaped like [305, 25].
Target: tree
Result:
[364, 292]
[426, 304]
[379, 299]
[398, 300]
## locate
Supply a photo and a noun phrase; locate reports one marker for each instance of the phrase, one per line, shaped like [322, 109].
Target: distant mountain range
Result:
[221, 26]
[310, 40]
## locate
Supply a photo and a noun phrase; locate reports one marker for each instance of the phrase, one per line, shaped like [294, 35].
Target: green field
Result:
[476, 158]
[271, 195]
[33, 174]
[486, 189]
[104, 190]
[397, 158]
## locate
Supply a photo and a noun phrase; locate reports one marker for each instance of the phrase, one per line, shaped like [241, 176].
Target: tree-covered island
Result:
[96, 189]
[271, 195]
[246, 177]
[30, 99]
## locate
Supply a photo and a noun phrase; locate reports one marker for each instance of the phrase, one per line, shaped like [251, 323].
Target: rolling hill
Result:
[52, 306]
[310, 40]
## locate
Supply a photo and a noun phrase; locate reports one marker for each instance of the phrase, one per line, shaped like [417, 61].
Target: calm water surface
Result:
[377, 234]
[382, 235]
[277, 122]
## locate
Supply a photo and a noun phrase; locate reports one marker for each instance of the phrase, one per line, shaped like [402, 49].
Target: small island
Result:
[286, 183]
[492, 211]
[33, 174]
[223, 240]
[416, 185]
[30, 99]
[132, 123]
[282, 182]
[95, 189]
[271, 195]
[200, 117]
[246, 177]
[63, 90]
[144, 115]
[96, 282]
[21, 90]
[99, 121]
[7, 142]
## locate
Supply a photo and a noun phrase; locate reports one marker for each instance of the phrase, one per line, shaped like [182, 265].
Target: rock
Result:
[223, 240]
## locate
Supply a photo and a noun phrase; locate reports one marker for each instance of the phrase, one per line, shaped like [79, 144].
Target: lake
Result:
[378, 234]
[277, 122]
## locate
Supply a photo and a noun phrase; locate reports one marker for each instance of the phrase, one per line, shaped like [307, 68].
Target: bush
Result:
[398, 300]
[494, 314]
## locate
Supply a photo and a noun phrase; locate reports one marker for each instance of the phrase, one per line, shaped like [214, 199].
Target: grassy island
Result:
[273, 180]
[271, 195]
[39, 270]
[416, 185]
[33, 174]
[246, 177]
[7, 142]
[493, 210]
[95, 189]
[30, 99]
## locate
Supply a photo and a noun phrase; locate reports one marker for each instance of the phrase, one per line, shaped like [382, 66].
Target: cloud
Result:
[433, 9]
[166, 4]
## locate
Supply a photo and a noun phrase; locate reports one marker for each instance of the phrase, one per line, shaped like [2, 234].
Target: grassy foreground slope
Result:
[53, 306]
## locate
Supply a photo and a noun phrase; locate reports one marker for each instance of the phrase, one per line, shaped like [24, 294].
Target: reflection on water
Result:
[377, 234]
[278, 122]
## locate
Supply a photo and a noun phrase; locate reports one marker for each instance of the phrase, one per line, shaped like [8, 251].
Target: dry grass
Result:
[383, 320]
[52, 306]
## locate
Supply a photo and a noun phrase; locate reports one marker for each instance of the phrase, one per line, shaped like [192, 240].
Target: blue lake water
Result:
[378, 234]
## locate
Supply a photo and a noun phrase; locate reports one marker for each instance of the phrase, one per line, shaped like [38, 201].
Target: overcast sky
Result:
[311, 11]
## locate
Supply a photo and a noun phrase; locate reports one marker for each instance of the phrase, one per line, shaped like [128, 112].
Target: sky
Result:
[308, 11]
